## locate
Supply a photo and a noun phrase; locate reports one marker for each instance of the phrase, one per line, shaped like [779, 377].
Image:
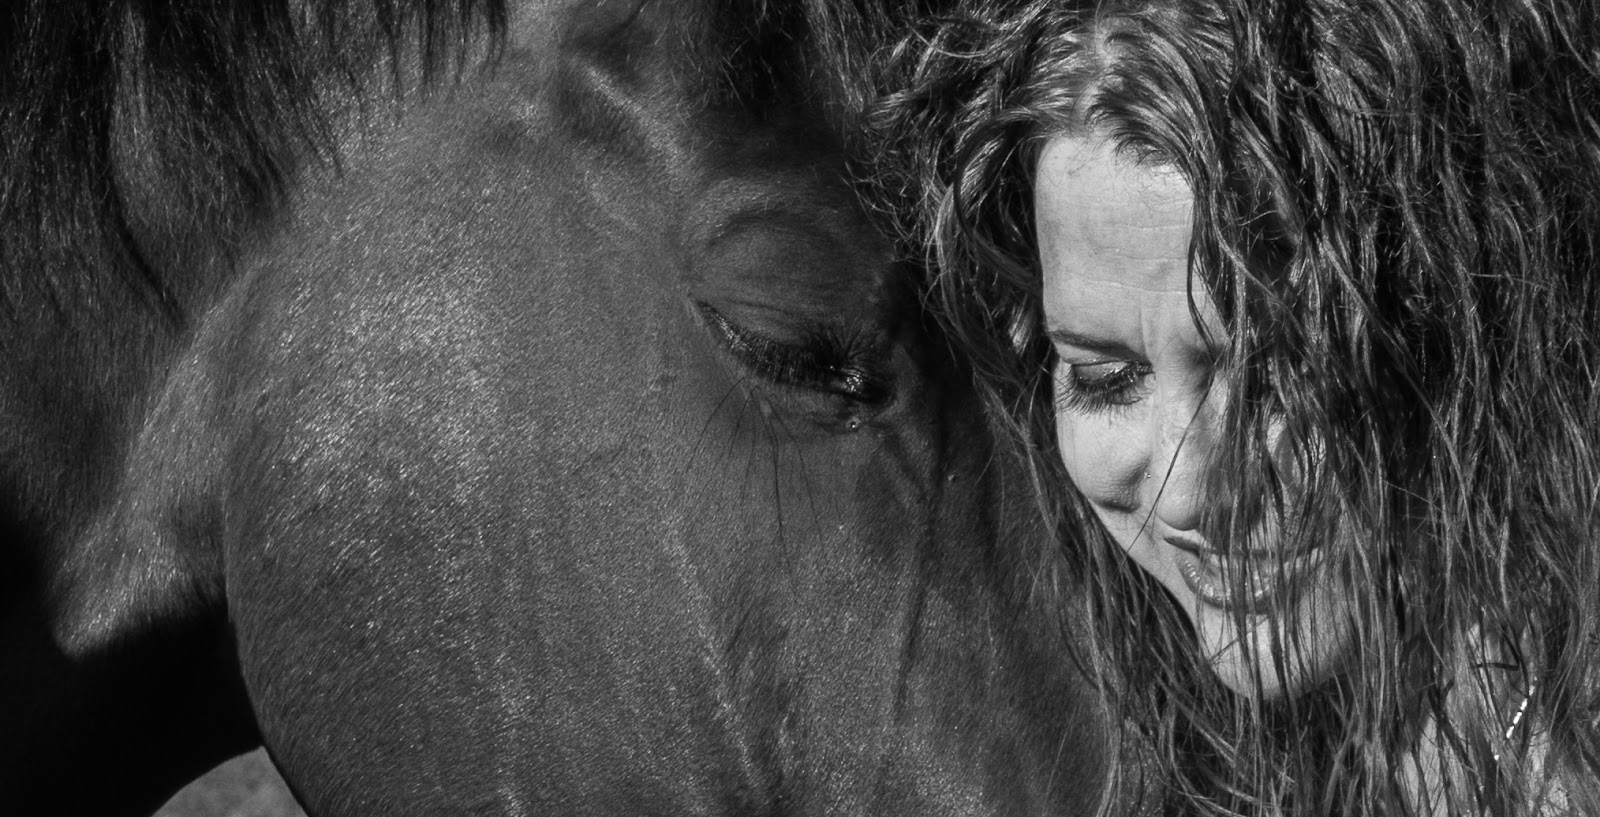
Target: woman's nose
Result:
[1182, 457]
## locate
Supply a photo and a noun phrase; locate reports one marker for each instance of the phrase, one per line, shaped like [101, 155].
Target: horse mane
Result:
[184, 122]
[116, 114]
[835, 47]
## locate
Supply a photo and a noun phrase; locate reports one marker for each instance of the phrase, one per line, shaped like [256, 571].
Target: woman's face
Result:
[1138, 419]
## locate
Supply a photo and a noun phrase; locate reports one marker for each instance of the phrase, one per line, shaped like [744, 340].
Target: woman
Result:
[1294, 306]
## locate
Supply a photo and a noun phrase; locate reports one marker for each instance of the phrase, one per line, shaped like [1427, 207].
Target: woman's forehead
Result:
[1093, 164]
[1114, 251]
[1107, 224]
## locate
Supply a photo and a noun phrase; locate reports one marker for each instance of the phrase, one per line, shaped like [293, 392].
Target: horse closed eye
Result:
[819, 362]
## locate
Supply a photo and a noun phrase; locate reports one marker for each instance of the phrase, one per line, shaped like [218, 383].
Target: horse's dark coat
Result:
[575, 446]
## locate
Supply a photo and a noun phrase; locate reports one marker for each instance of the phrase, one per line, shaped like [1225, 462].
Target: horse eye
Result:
[821, 361]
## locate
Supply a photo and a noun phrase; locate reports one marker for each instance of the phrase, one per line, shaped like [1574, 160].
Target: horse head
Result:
[561, 434]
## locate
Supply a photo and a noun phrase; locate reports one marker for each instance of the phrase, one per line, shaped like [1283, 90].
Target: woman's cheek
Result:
[1102, 458]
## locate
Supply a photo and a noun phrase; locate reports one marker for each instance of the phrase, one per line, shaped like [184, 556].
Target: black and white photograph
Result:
[777, 408]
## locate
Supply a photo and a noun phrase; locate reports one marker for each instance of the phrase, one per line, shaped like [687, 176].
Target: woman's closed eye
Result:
[1101, 385]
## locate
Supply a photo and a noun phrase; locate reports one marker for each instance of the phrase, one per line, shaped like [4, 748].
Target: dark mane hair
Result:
[1396, 208]
[183, 119]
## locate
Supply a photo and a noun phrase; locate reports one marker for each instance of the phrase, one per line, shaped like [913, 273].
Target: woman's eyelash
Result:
[1090, 387]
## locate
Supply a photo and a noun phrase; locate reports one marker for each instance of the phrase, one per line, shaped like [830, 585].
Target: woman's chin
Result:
[1273, 662]
[1295, 633]
[1245, 675]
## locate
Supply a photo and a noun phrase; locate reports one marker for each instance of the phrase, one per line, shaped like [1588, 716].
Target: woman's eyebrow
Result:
[1062, 336]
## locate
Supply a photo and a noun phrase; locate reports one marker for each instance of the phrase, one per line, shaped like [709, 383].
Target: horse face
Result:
[580, 446]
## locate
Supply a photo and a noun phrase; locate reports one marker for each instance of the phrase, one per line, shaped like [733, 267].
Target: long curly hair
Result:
[1396, 212]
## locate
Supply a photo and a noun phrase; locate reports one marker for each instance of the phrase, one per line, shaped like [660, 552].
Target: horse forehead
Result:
[659, 147]
[716, 203]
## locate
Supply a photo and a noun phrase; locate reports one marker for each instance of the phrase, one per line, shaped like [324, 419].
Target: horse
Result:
[498, 408]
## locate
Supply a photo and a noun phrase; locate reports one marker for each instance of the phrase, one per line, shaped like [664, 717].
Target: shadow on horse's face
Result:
[580, 447]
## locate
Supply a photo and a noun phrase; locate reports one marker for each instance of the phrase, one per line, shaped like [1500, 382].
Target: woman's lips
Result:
[1268, 582]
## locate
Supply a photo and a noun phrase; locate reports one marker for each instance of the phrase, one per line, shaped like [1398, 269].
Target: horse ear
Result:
[153, 554]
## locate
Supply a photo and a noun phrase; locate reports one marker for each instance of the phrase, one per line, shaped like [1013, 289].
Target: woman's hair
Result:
[1396, 214]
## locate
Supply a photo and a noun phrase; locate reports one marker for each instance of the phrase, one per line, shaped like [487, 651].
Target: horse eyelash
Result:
[820, 361]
